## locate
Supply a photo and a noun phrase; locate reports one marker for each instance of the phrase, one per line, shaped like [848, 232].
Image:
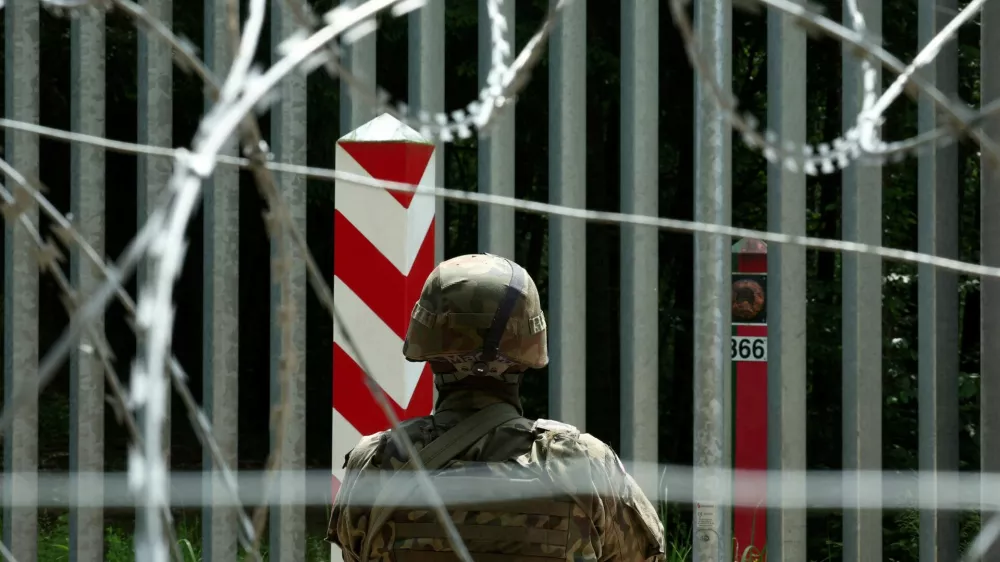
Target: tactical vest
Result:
[498, 519]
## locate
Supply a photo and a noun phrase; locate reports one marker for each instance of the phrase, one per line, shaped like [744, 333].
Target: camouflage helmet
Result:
[480, 313]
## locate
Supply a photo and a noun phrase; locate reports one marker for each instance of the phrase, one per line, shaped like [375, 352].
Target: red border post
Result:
[383, 252]
[748, 350]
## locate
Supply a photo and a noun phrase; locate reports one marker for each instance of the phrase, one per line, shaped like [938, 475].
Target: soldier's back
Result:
[529, 491]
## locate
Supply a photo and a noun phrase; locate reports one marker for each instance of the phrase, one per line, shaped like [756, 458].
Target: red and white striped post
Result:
[748, 350]
[383, 243]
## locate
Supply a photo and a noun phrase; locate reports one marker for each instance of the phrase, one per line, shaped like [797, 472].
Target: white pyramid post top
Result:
[385, 128]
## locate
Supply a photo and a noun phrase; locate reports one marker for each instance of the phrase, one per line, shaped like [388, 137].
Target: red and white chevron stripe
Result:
[383, 252]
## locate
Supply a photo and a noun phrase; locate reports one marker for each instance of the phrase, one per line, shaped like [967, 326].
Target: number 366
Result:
[744, 348]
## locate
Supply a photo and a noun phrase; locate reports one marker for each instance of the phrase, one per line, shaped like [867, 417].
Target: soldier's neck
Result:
[476, 394]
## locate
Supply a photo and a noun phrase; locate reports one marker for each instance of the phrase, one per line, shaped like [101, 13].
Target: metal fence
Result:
[170, 187]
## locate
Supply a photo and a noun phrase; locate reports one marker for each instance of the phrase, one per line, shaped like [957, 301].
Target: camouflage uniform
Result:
[587, 506]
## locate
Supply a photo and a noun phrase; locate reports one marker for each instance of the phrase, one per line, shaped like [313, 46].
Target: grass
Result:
[53, 543]
[53, 540]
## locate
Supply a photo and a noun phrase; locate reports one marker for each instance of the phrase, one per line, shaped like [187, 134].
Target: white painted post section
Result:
[383, 253]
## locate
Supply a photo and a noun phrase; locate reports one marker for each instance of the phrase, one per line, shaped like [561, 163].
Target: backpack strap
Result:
[463, 435]
[434, 456]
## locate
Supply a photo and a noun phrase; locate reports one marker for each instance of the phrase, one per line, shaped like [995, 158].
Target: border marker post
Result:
[383, 253]
[748, 351]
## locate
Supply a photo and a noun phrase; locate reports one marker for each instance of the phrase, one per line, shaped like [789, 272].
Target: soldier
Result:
[527, 491]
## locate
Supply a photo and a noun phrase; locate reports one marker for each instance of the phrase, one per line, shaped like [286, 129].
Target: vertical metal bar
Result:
[426, 89]
[426, 94]
[155, 127]
[359, 59]
[938, 328]
[712, 293]
[87, 181]
[288, 142]
[496, 151]
[155, 105]
[220, 306]
[640, 166]
[21, 60]
[568, 237]
[862, 314]
[989, 231]
[786, 303]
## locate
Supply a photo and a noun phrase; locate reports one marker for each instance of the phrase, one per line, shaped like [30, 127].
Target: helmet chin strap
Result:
[491, 344]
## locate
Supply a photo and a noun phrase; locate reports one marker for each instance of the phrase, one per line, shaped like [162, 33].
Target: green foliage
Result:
[53, 543]
[905, 543]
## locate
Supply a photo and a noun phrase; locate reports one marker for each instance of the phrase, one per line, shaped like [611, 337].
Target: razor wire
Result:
[247, 89]
[153, 313]
[521, 205]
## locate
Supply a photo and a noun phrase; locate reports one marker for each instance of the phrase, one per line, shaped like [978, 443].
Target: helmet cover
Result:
[458, 305]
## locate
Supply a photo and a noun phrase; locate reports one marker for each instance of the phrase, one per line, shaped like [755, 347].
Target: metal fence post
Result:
[220, 306]
[568, 237]
[426, 89]
[712, 369]
[155, 127]
[496, 151]
[358, 58]
[989, 232]
[786, 307]
[426, 92]
[288, 310]
[938, 328]
[20, 352]
[862, 314]
[87, 185]
[640, 248]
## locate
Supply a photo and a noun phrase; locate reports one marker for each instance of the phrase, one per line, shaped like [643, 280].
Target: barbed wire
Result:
[49, 257]
[247, 88]
[153, 317]
[533, 207]
[860, 142]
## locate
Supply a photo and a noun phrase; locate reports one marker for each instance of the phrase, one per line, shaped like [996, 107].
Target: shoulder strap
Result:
[463, 435]
[435, 455]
